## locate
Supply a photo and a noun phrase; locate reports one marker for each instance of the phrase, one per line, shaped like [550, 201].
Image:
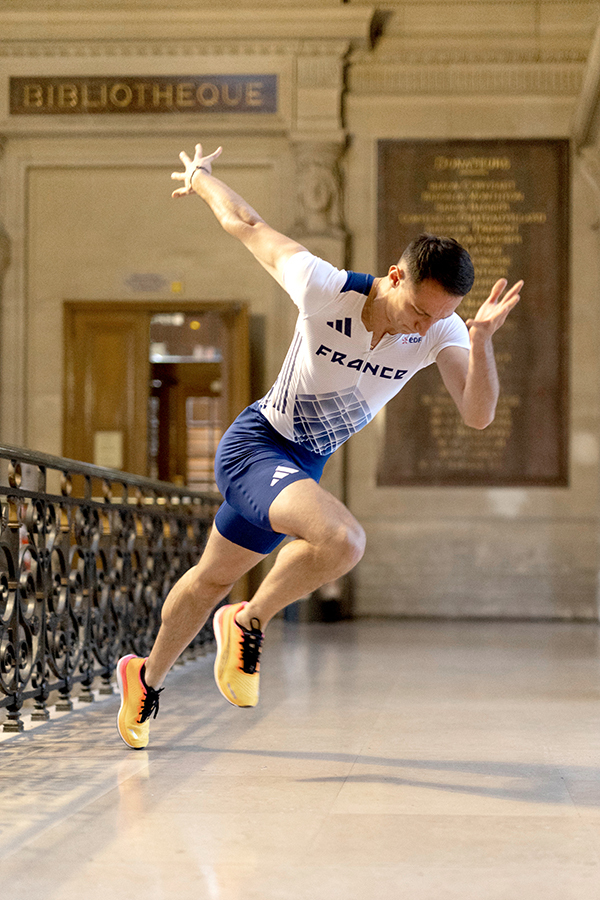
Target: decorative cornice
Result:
[341, 22]
[467, 55]
[564, 80]
[152, 49]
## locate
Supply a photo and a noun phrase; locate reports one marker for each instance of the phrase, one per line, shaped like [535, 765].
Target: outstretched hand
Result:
[492, 314]
[198, 162]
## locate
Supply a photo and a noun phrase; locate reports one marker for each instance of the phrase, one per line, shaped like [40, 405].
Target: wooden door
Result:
[108, 377]
[106, 388]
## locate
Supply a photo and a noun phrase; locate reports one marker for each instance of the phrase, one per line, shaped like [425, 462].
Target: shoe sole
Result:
[219, 639]
[121, 664]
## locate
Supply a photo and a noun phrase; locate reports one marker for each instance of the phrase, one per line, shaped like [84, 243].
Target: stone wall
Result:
[85, 201]
[480, 70]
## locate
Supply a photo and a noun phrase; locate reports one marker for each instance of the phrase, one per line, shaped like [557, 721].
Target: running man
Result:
[348, 357]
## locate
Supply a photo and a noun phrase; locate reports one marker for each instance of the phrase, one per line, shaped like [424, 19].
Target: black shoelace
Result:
[251, 644]
[150, 704]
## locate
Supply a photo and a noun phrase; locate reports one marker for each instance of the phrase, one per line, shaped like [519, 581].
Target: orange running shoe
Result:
[238, 653]
[138, 702]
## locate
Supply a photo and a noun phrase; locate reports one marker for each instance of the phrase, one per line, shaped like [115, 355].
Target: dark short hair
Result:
[441, 259]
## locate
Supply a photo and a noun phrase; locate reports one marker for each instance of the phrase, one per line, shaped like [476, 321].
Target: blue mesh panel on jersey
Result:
[324, 421]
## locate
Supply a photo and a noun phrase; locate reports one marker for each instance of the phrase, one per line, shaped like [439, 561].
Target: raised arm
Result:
[470, 375]
[271, 249]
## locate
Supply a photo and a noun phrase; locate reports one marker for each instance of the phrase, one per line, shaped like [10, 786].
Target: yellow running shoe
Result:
[238, 652]
[138, 702]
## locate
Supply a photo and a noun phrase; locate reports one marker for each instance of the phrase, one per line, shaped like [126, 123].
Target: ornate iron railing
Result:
[87, 557]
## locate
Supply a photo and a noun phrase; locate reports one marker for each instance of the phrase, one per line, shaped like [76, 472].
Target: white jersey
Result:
[332, 383]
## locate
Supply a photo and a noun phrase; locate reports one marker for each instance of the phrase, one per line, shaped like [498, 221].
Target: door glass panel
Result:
[186, 337]
[187, 396]
[204, 430]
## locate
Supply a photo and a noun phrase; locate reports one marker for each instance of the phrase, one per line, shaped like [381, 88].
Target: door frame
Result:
[236, 318]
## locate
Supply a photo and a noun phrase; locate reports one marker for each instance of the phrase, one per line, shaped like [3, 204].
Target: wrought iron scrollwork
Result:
[83, 578]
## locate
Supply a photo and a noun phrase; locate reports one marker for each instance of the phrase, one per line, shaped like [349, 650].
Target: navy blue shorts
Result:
[252, 465]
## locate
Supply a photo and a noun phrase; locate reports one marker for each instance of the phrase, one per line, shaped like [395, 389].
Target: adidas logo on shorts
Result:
[282, 472]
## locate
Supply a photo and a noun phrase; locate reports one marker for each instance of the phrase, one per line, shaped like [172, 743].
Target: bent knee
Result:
[347, 544]
[211, 581]
[206, 585]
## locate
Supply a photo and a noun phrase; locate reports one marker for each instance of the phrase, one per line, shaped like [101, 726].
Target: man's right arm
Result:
[234, 214]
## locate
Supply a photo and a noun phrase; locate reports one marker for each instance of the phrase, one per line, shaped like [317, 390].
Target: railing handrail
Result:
[83, 578]
[90, 470]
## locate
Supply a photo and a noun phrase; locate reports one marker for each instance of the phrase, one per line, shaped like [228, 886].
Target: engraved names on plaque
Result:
[507, 202]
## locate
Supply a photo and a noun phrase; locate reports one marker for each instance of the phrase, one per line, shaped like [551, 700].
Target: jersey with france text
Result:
[332, 383]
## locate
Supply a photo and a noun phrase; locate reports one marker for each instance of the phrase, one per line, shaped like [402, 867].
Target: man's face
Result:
[415, 308]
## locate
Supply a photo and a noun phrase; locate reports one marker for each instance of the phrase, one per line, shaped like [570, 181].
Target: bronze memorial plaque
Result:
[507, 202]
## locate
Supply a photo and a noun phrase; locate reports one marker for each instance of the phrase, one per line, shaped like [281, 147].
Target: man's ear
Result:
[396, 274]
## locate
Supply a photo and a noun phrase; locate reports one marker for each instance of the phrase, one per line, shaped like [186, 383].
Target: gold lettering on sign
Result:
[163, 94]
[506, 202]
[472, 163]
[254, 93]
[120, 95]
[140, 92]
[68, 95]
[208, 94]
[185, 94]
[484, 211]
[232, 101]
[481, 210]
[89, 101]
[33, 95]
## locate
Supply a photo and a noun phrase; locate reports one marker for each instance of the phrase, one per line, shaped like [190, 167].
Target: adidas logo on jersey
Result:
[344, 326]
[282, 472]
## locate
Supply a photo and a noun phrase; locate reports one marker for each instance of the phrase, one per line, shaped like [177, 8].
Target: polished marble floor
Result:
[413, 760]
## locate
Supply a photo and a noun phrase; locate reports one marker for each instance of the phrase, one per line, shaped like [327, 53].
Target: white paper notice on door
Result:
[108, 449]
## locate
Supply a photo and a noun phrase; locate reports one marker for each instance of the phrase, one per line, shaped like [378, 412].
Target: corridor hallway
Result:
[407, 759]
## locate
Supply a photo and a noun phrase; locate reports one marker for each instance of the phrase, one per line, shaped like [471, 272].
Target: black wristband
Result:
[198, 169]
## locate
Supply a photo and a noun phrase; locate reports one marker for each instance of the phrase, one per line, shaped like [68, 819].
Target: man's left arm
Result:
[470, 376]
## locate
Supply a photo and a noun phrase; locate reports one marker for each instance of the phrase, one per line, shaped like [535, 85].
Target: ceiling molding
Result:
[344, 22]
[153, 49]
[585, 121]
[564, 80]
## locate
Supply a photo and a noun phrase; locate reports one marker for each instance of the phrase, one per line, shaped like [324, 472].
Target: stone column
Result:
[318, 140]
[4, 251]
[585, 435]
[4, 254]
[589, 158]
[319, 226]
[4, 238]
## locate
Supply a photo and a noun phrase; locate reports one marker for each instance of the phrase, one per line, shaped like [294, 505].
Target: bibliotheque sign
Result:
[68, 95]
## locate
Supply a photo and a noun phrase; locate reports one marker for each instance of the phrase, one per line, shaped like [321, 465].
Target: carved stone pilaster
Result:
[319, 226]
[4, 253]
[319, 190]
[4, 238]
[589, 159]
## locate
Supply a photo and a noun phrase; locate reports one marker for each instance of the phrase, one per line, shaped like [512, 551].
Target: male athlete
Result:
[350, 354]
